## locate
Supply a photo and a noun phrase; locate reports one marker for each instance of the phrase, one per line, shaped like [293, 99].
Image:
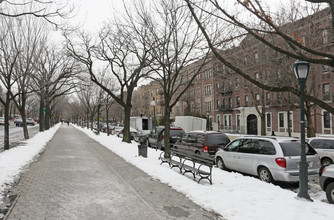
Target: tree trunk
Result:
[24, 120]
[41, 115]
[6, 131]
[126, 129]
[167, 130]
[310, 128]
[47, 115]
[263, 122]
[289, 125]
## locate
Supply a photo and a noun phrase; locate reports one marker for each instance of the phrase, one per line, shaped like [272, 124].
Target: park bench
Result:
[189, 162]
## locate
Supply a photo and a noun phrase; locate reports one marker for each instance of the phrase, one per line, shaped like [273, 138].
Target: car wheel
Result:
[198, 153]
[265, 175]
[330, 193]
[326, 162]
[220, 163]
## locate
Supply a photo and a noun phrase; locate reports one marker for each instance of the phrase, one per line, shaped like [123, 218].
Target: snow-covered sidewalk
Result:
[232, 195]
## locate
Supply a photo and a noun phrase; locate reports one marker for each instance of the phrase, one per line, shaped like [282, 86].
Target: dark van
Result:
[202, 142]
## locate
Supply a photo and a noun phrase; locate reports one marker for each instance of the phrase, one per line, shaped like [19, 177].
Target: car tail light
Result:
[206, 149]
[281, 162]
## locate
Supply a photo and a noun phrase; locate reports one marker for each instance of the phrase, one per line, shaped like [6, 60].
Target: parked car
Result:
[327, 182]
[202, 142]
[118, 129]
[2, 120]
[18, 122]
[111, 128]
[133, 133]
[156, 138]
[30, 121]
[269, 158]
[324, 147]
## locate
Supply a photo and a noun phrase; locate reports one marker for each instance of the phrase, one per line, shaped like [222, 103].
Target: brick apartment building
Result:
[234, 105]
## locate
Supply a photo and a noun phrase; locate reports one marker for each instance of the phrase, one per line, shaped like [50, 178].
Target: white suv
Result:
[324, 147]
[269, 158]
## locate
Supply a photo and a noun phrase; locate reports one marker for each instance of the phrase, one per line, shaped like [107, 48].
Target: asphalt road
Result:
[16, 135]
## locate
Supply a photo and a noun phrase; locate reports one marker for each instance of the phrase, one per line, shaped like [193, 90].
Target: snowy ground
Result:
[232, 195]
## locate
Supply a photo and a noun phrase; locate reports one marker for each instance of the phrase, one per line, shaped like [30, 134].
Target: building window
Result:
[198, 106]
[224, 69]
[198, 92]
[325, 36]
[268, 120]
[230, 102]
[256, 56]
[237, 101]
[257, 96]
[303, 39]
[268, 96]
[325, 68]
[246, 100]
[198, 77]
[217, 103]
[207, 90]
[325, 91]
[257, 75]
[281, 120]
[223, 104]
[279, 75]
[217, 85]
[208, 106]
[237, 82]
[245, 61]
[207, 74]
[327, 120]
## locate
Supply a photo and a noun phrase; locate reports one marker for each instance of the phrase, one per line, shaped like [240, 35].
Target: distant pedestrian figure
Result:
[68, 123]
[273, 133]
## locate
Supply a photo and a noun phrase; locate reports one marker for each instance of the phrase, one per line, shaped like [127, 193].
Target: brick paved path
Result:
[77, 178]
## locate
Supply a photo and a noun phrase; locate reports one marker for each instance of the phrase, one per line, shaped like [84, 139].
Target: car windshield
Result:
[217, 139]
[293, 148]
[176, 132]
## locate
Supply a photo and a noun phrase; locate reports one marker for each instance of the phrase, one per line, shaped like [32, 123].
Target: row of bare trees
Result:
[159, 42]
[156, 44]
[30, 66]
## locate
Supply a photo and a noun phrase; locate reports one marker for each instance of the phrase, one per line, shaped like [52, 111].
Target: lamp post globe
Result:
[301, 70]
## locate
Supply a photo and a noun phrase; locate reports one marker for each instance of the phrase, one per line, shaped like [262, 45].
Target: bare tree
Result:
[175, 42]
[8, 59]
[123, 48]
[53, 76]
[267, 30]
[48, 10]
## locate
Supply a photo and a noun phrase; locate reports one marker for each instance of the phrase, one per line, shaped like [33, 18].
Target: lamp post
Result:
[301, 69]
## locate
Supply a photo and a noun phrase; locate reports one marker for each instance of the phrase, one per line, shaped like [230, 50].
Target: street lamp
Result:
[301, 69]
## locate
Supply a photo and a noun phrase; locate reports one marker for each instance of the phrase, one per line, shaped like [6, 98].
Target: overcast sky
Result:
[94, 13]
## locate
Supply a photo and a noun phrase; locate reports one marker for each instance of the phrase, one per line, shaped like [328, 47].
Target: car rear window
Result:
[293, 148]
[217, 139]
[176, 132]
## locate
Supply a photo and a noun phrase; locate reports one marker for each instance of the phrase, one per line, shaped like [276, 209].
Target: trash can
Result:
[142, 147]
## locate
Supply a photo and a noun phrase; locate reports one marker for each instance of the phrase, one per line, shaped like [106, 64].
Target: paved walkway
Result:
[77, 178]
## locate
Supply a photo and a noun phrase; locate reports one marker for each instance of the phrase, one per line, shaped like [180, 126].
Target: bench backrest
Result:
[199, 158]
